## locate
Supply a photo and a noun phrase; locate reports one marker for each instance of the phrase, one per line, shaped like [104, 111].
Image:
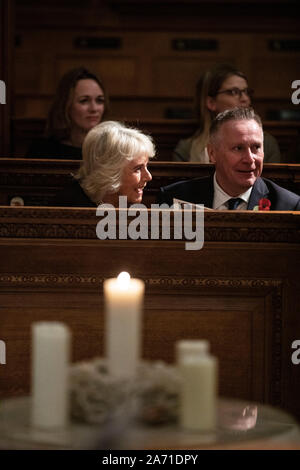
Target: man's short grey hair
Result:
[106, 150]
[234, 114]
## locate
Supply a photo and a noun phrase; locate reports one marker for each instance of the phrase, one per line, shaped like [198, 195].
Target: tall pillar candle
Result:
[198, 394]
[51, 343]
[123, 305]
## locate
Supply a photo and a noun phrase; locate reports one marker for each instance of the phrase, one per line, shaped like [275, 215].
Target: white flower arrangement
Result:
[96, 397]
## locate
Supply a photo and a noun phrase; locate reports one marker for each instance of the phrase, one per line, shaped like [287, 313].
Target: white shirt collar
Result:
[221, 197]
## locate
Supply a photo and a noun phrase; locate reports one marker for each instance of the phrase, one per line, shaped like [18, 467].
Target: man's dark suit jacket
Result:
[201, 191]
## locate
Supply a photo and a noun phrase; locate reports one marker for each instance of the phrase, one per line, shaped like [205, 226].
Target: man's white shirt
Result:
[221, 198]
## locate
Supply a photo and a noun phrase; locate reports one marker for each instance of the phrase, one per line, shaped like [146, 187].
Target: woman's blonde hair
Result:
[208, 85]
[106, 149]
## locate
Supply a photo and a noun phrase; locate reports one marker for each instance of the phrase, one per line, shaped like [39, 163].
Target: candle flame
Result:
[123, 280]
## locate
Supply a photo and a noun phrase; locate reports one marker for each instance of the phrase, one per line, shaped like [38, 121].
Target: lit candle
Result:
[198, 394]
[50, 362]
[123, 299]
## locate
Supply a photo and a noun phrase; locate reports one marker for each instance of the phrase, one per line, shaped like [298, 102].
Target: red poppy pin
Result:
[264, 204]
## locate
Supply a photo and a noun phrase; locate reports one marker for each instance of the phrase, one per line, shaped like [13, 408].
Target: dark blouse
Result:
[72, 196]
[52, 148]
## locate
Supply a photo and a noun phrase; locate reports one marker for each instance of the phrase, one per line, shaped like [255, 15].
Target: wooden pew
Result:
[38, 181]
[165, 132]
[241, 291]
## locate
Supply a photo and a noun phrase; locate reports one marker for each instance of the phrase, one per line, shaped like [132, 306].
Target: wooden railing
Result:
[38, 181]
[165, 132]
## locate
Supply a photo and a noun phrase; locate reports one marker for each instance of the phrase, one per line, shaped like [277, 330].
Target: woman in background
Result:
[115, 163]
[80, 103]
[223, 87]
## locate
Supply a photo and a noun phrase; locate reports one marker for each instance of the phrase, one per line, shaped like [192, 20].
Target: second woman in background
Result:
[223, 87]
[80, 103]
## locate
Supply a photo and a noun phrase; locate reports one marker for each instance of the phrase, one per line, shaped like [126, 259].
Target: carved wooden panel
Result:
[147, 66]
[185, 72]
[110, 69]
[28, 77]
[240, 291]
[277, 84]
[234, 321]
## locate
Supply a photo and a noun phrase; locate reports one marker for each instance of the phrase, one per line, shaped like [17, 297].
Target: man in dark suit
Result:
[236, 149]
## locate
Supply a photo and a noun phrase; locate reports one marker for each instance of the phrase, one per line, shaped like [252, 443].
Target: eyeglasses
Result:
[237, 92]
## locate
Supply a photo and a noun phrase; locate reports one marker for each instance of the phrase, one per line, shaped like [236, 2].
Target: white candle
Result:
[50, 362]
[198, 394]
[123, 300]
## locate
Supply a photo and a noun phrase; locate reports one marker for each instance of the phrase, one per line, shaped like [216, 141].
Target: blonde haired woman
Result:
[114, 163]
